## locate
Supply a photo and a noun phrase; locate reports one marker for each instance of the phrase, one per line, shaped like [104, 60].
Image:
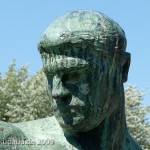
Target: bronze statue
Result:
[85, 61]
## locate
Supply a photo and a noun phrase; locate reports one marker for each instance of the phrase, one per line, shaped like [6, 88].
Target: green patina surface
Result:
[85, 62]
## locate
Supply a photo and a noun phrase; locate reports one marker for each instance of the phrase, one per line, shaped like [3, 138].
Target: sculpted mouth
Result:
[67, 110]
[63, 114]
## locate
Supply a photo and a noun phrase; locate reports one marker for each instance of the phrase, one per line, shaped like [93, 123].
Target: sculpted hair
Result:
[87, 27]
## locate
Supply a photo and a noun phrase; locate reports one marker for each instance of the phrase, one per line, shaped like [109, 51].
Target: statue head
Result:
[84, 59]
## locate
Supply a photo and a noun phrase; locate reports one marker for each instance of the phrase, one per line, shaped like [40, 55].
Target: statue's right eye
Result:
[50, 83]
[70, 78]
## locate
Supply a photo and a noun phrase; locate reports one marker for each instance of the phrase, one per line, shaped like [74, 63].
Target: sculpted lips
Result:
[65, 108]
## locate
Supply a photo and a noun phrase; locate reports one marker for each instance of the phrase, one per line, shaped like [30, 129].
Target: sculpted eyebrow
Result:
[65, 69]
[73, 68]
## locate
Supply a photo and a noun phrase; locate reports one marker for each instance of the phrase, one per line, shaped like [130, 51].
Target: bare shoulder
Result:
[34, 135]
[9, 134]
[7, 129]
[45, 127]
[46, 133]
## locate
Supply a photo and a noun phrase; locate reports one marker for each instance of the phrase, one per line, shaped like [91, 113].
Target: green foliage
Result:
[24, 98]
[136, 117]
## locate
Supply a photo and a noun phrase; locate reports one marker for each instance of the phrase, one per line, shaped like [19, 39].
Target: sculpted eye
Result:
[50, 84]
[70, 78]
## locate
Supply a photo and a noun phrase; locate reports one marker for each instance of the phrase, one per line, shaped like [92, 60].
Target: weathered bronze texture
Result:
[85, 61]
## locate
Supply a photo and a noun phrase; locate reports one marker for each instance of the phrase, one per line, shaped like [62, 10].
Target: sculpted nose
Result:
[60, 96]
[59, 91]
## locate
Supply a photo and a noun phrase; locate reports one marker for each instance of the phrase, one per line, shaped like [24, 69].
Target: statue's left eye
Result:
[70, 78]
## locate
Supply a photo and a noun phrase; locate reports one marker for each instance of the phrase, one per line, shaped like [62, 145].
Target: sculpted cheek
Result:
[84, 88]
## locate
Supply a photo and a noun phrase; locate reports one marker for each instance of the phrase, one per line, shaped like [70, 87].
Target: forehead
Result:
[71, 57]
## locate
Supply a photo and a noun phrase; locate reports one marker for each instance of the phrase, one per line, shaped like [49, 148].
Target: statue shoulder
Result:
[46, 133]
[10, 134]
[7, 129]
[37, 134]
[46, 127]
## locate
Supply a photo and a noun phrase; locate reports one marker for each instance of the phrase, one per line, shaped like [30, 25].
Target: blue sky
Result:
[23, 22]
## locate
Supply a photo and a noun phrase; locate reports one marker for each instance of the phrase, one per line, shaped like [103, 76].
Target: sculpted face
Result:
[78, 83]
[83, 55]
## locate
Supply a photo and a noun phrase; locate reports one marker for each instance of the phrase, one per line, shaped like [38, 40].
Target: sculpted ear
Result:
[125, 66]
